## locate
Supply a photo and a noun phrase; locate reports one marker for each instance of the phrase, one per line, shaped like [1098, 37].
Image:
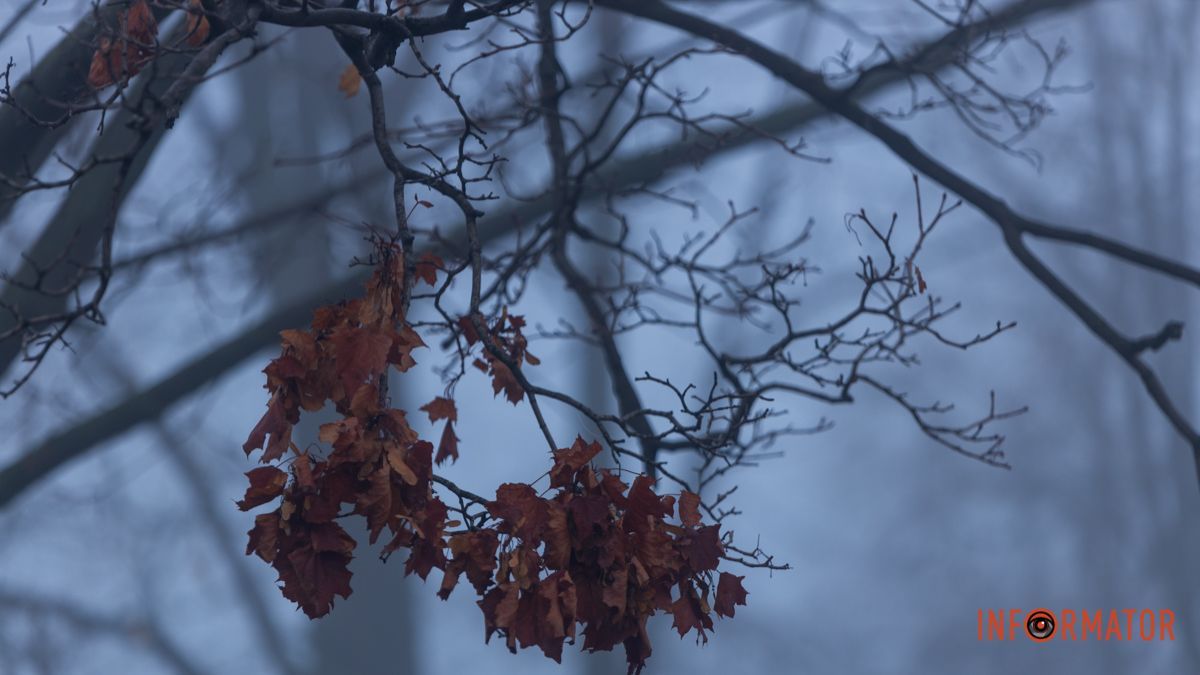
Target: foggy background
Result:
[130, 560]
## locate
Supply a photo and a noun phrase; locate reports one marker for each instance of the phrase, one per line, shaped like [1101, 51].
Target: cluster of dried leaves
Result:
[595, 553]
[377, 463]
[133, 43]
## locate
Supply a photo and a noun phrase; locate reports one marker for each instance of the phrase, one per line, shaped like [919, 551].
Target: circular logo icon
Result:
[1039, 625]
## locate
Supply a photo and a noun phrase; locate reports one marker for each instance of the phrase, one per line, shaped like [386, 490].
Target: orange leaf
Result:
[350, 81]
[441, 409]
[123, 57]
[197, 24]
[140, 25]
[106, 65]
[689, 508]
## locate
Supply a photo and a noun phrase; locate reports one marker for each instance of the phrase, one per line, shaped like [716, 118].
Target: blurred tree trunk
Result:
[371, 632]
[595, 386]
[59, 77]
[1143, 142]
[1169, 201]
[88, 212]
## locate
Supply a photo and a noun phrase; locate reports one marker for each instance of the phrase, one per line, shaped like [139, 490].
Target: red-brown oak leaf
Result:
[140, 23]
[375, 502]
[500, 609]
[467, 326]
[121, 57]
[557, 536]
[475, 554]
[689, 508]
[588, 512]
[643, 506]
[427, 550]
[301, 345]
[403, 343]
[523, 513]
[448, 445]
[419, 456]
[266, 484]
[569, 461]
[729, 593]
[427, 268]
[319, 576]
[503, 378]
[396, 460]
[395, 422]
[614, 488]
[279, 371]
[264, 536]
[616, 591]
[360, 354]
[654, 550]
[331, 538]
[702, 548]
[554, 603]
[689, 614]
[274, 423]
[441, 408]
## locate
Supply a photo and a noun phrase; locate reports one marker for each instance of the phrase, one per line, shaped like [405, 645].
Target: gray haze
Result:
[895, 543]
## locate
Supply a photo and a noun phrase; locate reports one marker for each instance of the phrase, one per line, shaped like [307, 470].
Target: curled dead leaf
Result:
[197, 24]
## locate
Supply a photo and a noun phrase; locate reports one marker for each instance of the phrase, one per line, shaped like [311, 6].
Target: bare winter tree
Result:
[511, 179]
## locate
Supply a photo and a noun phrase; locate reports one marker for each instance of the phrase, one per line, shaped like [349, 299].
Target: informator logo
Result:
[1043, 625]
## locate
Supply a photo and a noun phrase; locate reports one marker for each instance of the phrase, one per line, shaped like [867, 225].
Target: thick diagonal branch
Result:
[649, 166]
[35, 302]
[1013, 225]
[145, 631]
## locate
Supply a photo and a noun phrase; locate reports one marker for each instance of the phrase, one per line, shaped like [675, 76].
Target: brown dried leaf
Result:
[441, 409]
[197, 24]
[350, 81]
[689, 508]
[395, 457]
[428, 265]
[448, 445]
[568, 462]
[266, 483]
[729, 593]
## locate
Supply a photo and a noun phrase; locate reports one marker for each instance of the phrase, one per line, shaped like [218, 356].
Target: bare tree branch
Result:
[1013, 226]
[136, 631]
[33, 117]
[204, 496]
[35, 311]
[647, 167]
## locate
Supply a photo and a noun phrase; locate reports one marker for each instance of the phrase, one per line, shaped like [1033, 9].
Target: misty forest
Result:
[378, 337]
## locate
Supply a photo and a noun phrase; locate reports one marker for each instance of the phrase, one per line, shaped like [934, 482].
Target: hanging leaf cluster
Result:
[593, 559]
